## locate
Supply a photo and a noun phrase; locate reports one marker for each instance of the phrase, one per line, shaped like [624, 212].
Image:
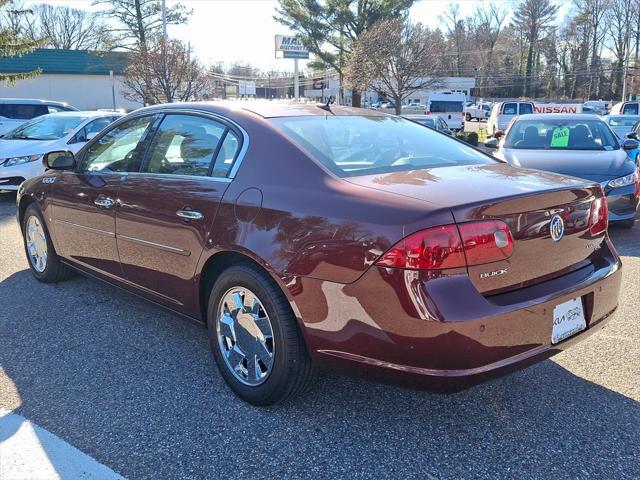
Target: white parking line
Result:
[28, 452]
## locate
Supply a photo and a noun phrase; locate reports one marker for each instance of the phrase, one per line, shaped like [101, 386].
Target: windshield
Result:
[624, 120]
[47, 127]
[561, 135]
[358, 145]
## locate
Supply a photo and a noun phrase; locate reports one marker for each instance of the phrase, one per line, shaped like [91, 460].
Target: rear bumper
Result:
[407, 328]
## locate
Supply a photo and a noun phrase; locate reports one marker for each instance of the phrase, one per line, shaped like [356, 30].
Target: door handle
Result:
[104, 202]
[190, 214]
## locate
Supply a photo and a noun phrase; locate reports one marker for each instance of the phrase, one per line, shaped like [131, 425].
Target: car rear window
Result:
[18, 111]
[442, 106]
[623, 121]
[560, 135]
[359, 145]
[630, 109]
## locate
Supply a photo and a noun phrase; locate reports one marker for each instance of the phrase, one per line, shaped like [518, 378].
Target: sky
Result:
[243, 30]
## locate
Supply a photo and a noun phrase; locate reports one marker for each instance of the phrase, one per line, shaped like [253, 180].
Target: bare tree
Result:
[396, 58]
[140, 21]
[619, 19]
[488, 28]
[164, 73]
[68, 28]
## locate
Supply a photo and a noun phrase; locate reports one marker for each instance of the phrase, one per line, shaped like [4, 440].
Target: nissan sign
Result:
[291, 47]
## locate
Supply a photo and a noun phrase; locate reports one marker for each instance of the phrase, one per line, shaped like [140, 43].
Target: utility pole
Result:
[164, 20]
[296, 80]
[113, 89]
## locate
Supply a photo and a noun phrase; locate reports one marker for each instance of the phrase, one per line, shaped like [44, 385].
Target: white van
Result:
[449, 106]
[625, 108]
[503, 112]
[16, 111]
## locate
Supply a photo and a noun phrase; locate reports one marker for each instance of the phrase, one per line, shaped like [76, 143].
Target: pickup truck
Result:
[478, 111]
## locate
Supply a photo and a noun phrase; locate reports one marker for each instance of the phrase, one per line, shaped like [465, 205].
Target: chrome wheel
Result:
[245, 336]
[36, 244]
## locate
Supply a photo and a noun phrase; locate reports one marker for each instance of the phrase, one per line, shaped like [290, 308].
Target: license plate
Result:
[568, 319]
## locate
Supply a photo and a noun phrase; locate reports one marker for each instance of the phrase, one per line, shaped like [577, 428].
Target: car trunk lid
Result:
[525, 200]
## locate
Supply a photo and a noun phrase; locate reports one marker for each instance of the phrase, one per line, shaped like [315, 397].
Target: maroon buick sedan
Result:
[309, 238]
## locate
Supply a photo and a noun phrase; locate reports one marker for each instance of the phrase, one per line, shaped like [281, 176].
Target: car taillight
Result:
[486, 242]
[451, 246]
[599, 215]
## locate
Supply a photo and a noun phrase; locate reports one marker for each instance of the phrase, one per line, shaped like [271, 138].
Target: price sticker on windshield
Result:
[560, 137]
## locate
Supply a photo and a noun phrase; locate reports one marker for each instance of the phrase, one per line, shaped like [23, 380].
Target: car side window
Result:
[510, 109]
[91, 129]
[184, 145]
[525, 108]
[119, 150]
[227, 155]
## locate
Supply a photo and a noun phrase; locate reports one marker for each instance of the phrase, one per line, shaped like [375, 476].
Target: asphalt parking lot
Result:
[136, 388]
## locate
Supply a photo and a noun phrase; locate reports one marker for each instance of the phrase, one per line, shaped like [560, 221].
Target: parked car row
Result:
[312, 237]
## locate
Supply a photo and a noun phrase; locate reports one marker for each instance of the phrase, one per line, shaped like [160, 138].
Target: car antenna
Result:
[327, 106]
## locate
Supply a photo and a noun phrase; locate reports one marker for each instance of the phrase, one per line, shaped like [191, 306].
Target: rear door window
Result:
[525, 108]
[185, 145]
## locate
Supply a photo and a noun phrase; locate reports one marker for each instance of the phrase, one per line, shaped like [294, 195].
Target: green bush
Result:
[470, 137]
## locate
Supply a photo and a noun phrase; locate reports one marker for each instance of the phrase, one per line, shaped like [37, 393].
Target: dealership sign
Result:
[291, 47]
[557, 108]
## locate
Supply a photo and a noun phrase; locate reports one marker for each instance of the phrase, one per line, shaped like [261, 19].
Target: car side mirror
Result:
[90, 136]
[59, 160]
[491, 143]
[630, 144]
[632, 135]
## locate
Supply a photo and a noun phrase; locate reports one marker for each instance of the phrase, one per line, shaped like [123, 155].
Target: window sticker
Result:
[560, 137]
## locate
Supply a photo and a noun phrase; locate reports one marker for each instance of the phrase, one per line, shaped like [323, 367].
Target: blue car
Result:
[579, 146]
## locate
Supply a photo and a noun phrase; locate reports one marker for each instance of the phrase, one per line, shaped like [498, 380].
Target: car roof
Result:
[32, 101]
[420, 117]
[558, 116]
[85, 113]
[268, 109]
[619, 115]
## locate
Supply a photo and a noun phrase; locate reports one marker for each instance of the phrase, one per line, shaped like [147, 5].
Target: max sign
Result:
[557, 108]
[290, 47]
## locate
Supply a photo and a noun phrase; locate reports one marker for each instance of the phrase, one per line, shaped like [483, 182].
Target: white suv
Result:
[15, 111]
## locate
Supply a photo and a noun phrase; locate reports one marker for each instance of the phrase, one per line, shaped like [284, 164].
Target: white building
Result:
[78, 77]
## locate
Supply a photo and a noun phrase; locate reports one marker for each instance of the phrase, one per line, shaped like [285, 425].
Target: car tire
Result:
[252, 379]
[44, 262]
[627, 223]
[468, 117]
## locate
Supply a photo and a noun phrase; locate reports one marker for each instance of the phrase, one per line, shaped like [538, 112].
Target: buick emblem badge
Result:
[556, 228]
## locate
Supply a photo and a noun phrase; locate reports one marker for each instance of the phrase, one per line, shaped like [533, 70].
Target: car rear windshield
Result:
[442, 106]
[359, 145]
[47, 127]
[561, 135]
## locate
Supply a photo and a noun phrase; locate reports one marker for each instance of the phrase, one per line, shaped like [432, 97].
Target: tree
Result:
[67, 28]
[396, 58]
[329, 28]
[164, 73]
[13, 44]
[619, 19]
[140, 21]
[533, 18]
